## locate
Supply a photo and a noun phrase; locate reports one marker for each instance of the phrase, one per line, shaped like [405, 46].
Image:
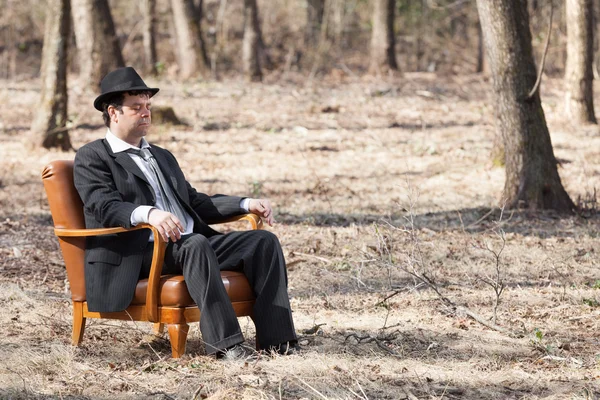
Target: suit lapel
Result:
[123, 159]
[126, 162]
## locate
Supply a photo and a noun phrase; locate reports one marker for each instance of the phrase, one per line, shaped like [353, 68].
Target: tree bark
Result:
[481, 60]
[149, 35]
[534, 5]
[579, 74]
[532, 179]
[315, 9]
[49, 125]
[98, 47]
[251, 42]
[383, 56]
[191, 51]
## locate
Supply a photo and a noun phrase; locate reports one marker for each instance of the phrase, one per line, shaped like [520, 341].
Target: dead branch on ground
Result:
[378, 340]
[415, 266]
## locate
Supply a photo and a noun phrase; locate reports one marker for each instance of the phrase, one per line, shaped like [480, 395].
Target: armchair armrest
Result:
[158, 256]
[254, 220]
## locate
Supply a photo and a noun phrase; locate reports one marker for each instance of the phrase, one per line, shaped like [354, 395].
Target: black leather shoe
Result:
[235, 353]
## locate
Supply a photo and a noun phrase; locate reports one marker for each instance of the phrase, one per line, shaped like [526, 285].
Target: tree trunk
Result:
[482, 65]
[579, 74]
[97, 43]
[148, 9]
[49, 125]
[315, 10]
[534, 5]
[191, 51]
[251, 44]
[532, 179]
[199, 11]
[383, 57]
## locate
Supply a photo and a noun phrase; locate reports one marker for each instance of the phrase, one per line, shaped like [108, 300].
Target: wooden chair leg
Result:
[178, 336]
[78, 323]
[158, 328]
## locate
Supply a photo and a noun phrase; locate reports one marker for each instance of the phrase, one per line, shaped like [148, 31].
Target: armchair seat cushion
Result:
[173, 290]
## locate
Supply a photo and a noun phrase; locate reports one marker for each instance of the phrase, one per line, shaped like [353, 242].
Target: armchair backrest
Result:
[67, 213]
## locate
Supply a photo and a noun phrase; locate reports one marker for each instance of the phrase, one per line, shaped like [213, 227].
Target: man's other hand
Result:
[168, 225]
[263, 208]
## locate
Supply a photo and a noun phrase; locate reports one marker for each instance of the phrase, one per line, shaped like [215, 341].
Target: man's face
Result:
[133, 121]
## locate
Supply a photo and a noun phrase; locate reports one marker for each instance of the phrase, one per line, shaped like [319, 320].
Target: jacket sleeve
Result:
[216, 208]
[96, 186]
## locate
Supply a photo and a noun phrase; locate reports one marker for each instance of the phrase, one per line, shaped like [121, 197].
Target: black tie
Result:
[172, 204]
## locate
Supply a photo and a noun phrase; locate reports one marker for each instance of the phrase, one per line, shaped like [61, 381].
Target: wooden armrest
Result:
[62, 232]
[254, 220]
[158, 256]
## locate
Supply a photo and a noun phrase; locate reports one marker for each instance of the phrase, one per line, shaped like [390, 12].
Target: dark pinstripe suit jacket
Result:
[111, 186]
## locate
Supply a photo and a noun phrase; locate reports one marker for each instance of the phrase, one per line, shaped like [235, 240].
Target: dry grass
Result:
[341, 160]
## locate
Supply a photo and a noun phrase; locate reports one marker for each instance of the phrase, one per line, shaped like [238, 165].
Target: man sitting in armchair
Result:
[124, 181]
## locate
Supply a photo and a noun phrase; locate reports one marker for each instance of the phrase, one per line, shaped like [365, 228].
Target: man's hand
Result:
[263, 208]
[168, 225]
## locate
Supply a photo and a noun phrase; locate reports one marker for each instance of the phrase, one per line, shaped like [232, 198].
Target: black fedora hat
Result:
[118, 81]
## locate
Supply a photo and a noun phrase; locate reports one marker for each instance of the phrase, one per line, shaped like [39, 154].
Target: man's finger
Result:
[163, 234]
[177, 222]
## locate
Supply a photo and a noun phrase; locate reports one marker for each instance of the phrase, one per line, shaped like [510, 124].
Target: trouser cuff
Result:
[212, 348]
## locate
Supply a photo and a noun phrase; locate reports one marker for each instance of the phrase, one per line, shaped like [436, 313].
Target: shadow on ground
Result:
[471, 220]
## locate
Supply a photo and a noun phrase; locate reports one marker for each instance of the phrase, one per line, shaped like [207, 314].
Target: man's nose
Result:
[145, 112]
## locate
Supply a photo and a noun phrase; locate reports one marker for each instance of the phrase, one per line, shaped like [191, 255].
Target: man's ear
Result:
[112, 113]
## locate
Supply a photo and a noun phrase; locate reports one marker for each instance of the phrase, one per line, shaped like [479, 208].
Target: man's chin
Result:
[143, 129]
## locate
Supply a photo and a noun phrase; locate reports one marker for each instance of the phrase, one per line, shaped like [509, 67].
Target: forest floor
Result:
[370, 180]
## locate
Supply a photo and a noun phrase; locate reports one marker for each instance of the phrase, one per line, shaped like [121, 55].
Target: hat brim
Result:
[104, 96]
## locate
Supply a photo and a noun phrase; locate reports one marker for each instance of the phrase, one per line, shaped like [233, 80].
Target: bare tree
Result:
[148, 8]
[532, 179]
[98, 47]
[580, 57]
[191, 51]
[252, 42]
[383, 56]
[315, 9]
[481, 61]
[49, 125]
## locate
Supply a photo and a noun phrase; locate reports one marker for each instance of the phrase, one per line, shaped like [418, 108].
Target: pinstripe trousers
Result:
[259, 256]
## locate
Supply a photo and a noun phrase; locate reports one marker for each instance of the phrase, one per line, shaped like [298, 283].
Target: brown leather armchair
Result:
[163, 300]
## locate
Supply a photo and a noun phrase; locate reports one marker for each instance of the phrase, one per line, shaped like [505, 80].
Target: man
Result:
[124, 181]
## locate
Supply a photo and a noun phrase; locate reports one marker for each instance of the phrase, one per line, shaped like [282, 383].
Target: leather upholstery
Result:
[67, 212]
[173, 290]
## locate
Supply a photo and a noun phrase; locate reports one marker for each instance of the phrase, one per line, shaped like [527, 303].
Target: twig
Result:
[161, 393]
[482, 321]
[328, 261]
[480, 219]
[197, 392]
[370, 339]
[541, 71]
[312, 388]
[23, 379]
[595, 315]
[361, 390]
[280, 383]
[387, 298]
[149, 345]
[410, 395]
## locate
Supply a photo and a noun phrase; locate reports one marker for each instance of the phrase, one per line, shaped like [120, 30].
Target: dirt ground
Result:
[370, 179]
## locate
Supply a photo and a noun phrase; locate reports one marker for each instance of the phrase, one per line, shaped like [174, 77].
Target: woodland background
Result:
[411, 276]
